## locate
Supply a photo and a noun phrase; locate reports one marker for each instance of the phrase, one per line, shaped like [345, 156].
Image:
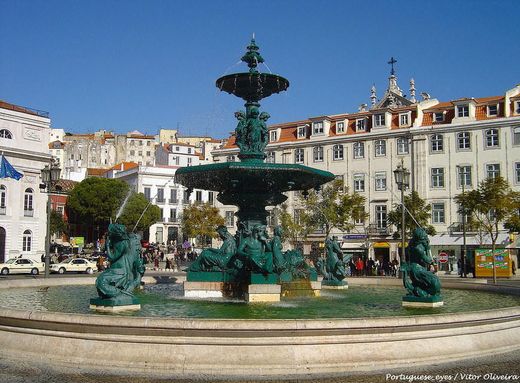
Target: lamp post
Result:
[50, 174]
[462, 178]
[402, 179]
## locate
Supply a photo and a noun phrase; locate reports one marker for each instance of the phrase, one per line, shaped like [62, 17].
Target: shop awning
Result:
[446, 239]
[381, 245]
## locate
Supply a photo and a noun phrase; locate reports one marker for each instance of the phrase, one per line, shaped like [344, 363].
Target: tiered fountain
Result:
[250, 264]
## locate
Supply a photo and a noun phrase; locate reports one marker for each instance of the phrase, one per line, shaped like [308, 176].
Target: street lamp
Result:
[402, 179]
[50, 174]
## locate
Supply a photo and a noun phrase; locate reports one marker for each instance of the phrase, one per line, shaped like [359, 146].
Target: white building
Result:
[443, 143]
[24, 140]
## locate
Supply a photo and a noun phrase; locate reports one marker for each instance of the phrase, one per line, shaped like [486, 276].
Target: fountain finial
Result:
[252, 57]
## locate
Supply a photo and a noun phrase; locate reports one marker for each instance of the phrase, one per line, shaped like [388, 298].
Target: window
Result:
[402, 145]
[160, 195]
[359, 150]
[210, 198]
[3, 195]
[317, 152]
[516, 135]
[140, 143]
[4, 133]
[26, 240]
[492, 138]
[337, 152]
[361, 125]
[438, 117]
[437, 143]
[493, 170]
[359, 182]
[173, 195]
[492, 110]
[463, 110]
[404, 119]
[271, 157]
[379, 120]
[438, 212]
[273, 136]
[159, 235]
[189, 150]
[148, 143]
[517, 107]
[298, 213]
[464, 140]
[437, 177]
[380, 148]
[148, 153]
[298, 156]
[186, 196]
[28, 203]
[140, 153]
[147, 193]
[302, 131]
[317, 128]
[230, 158]
[198, 196]
[381, 217]
[132, 152]
[340, 127]
[230, 219]
[517, 172]
[189, 161]
[464, 176]
[380, 179]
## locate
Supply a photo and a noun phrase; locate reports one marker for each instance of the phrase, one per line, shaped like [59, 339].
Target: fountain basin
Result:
[277, 349]
[252, 86]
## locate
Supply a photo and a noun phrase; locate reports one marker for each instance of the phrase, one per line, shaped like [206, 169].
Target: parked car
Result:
[22, 266]
[78, 265]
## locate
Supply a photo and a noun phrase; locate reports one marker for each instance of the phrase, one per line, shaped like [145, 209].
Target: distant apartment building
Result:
[445, 145]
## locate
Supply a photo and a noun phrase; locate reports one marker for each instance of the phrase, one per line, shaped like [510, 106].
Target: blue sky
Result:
[125, 65]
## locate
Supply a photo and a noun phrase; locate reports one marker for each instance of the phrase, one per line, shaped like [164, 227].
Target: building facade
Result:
[445, 145]
[24, 140]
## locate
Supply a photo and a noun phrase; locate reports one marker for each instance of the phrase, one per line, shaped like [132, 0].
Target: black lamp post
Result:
[50, 174]
[402, 179]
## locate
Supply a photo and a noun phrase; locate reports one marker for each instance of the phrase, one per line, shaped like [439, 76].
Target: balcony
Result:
[173, 219]
[160, 200]
[185, 201]
[456, 228]
[28, 213]
[173, 201]
[375, 230]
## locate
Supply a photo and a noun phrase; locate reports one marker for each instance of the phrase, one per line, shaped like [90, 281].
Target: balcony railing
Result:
[159, 200]
[28, 213]
[456, 228]
[173, 219]
[173, 201]
[375, 230]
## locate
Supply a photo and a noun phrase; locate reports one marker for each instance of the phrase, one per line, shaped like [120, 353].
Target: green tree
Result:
[58, 225]
[295, 226]
[490, 206]
[95, 200]
[332, 207]
[200, 221]
[417, 214]
[136, 206]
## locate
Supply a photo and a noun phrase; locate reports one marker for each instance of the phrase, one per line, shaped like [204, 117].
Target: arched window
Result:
[27, 240]
[4, 133]
[337, 152]
[28, 210]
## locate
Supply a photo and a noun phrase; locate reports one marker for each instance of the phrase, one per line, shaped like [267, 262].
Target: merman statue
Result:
[251, 251]
[216, 259]
[333, 267]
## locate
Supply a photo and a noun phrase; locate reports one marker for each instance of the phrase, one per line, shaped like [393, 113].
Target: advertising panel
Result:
[484, 263]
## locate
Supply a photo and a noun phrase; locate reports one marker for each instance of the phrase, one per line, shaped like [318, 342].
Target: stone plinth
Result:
[422, 302]
[263, 293]
[115, 309]
[115, 305]
[203, 289]
[302, 288]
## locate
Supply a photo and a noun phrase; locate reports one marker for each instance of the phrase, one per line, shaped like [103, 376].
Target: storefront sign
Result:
[354, 236]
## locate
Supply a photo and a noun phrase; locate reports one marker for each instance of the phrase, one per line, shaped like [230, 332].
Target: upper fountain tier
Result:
[252, 86]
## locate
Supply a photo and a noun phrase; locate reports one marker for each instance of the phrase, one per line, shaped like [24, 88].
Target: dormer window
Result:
[273, 136]
[463, 110]
[340, 127]
[317, 128]
[517, 107]
[492, 110]
[404, 119]
[302, 132]
[379, 120]
[438, 117]
[361, 125]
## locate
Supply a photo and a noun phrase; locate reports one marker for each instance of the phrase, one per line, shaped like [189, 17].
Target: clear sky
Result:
[125, 65]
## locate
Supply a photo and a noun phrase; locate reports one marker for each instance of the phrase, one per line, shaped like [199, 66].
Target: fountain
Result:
[45, 323]
[255, 267]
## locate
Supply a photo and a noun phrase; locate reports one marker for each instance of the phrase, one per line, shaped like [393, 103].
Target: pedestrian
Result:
[513, 267]
[156, 262]
[168, 264]
[459, 267]
[359, 266]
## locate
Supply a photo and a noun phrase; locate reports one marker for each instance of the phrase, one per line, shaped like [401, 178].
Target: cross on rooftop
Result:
[392, 62]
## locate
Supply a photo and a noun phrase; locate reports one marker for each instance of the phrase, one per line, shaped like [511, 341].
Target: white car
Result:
[22, 266]
[79, 265]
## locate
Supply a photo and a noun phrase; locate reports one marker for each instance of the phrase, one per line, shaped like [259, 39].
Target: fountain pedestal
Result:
[263, 292]
[115, 305]
[421, 302]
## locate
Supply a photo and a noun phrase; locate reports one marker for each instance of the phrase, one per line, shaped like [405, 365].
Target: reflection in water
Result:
[166, 300]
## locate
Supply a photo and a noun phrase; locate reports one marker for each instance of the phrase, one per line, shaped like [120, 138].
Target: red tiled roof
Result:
[96, 172]
[122, 166]
[16, 108]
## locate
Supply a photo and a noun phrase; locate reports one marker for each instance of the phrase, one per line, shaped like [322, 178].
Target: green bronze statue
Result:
[251, 251]
[216, 259]
[117, 283]
[333, 267]
[417, 279]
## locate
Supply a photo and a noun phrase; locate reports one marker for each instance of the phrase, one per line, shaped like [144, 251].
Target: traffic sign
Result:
[443, 257]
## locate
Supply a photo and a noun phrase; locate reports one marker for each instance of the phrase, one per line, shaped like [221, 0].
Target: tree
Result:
[295, 226]
[95, 200]
[200, 221]
[488, 207]
[58, 225]
[136, 206]
[417, 214]
[332, 207]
